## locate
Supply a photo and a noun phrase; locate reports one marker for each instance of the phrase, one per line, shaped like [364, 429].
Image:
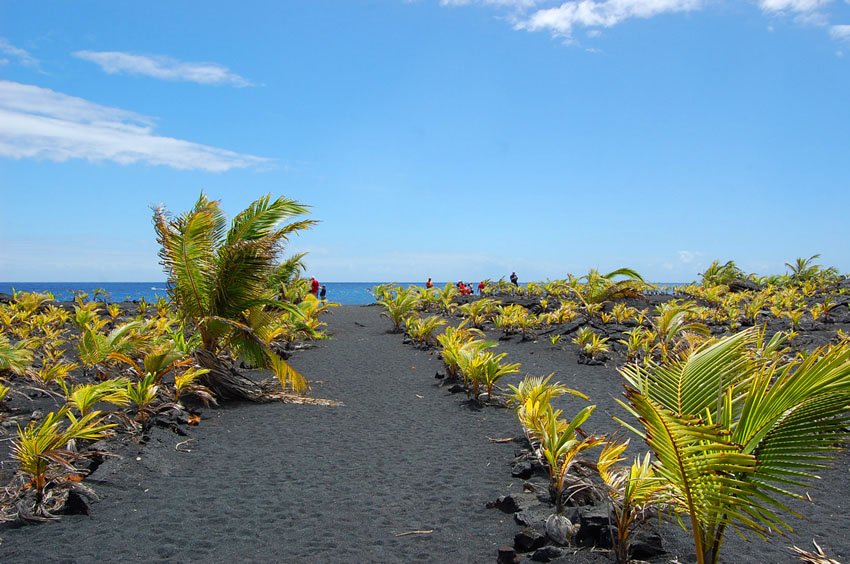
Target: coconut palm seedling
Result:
[114, 312]
[732, 434]
[531, 397]
[399, 305]
[94, 347]
[492, 370]
[14, 358]
[555, 338]
[595, 349]
[447, 298]
[83, 397]
[382, 291]
[565, 313]
[583, 336]
[479, 312]
[87, 315]
[421, 329]
[597, 288]
[451, 341]
[823, 309]
[143, 394]
[52, 372]
[186, 383]
[634, 492]
[795, 316]
[429, 298]
[561, 443]
[622, 313]
[513, 319]
[45, 458]
[471, 360]
[216, 275]
[805, 270]
[672, 322]
[639, 343]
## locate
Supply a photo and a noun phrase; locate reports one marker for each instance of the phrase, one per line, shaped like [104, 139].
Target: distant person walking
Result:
[429, 284]
[514, 279]
[323, 292]
[314, 286]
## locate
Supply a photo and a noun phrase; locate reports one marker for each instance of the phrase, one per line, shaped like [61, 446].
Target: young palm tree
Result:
[217, 276]
[732, 431]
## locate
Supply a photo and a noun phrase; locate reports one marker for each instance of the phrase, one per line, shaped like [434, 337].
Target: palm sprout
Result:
[634, 492]
[421, 329]
[41, 448]
[731, 431]
[14, 357]
[399, 305]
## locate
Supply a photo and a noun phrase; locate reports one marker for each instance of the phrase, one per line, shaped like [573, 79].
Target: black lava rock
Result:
[528, 540]
[522, 470]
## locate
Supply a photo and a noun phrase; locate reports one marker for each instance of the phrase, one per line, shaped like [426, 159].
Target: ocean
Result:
[345, 293]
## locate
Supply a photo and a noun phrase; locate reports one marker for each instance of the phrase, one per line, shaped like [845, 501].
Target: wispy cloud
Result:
[798, 6]
[503, 3]
[840, 32]
[562, 20]
[21, 56]
[163, 68]
[37, 122]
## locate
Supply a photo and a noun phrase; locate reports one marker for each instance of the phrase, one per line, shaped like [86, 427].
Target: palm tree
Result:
[219, 280]
[596, 288]
[804, 270]
[731, 431]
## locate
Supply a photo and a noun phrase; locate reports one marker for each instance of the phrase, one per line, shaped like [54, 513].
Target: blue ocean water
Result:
[345, 293]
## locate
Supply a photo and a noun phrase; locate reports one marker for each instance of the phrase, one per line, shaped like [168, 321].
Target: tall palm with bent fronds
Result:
[732, 431]
[596, 288]
[219, 279]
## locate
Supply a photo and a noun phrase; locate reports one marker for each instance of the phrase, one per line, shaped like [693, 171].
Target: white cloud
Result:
[840, 32]
[20, 55]
[502, 3]
[37, 122]
[689, 256]
[164, 68]
[562, 19]
[799, 6]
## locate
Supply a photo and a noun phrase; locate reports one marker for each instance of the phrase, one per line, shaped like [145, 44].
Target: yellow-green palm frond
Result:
[14, 358]
[288, 376]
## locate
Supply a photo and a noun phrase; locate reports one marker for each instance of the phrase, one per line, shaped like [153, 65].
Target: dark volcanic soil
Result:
[280, 482]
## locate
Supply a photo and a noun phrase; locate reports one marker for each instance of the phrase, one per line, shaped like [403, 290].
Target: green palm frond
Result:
[698, 382]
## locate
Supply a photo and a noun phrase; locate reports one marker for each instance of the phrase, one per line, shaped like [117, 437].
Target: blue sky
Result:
[454, 139]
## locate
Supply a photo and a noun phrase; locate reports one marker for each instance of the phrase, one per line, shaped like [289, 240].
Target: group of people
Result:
[320, 291]
[465, 288]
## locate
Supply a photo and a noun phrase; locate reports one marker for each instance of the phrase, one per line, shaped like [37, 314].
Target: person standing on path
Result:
[314, 286]
[514, 279]
[429, 284]
[323, 292]
[481, 288]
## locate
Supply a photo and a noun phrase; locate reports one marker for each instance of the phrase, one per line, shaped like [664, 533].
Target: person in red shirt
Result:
[314, 286]
[429, 284]
[481, 288]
